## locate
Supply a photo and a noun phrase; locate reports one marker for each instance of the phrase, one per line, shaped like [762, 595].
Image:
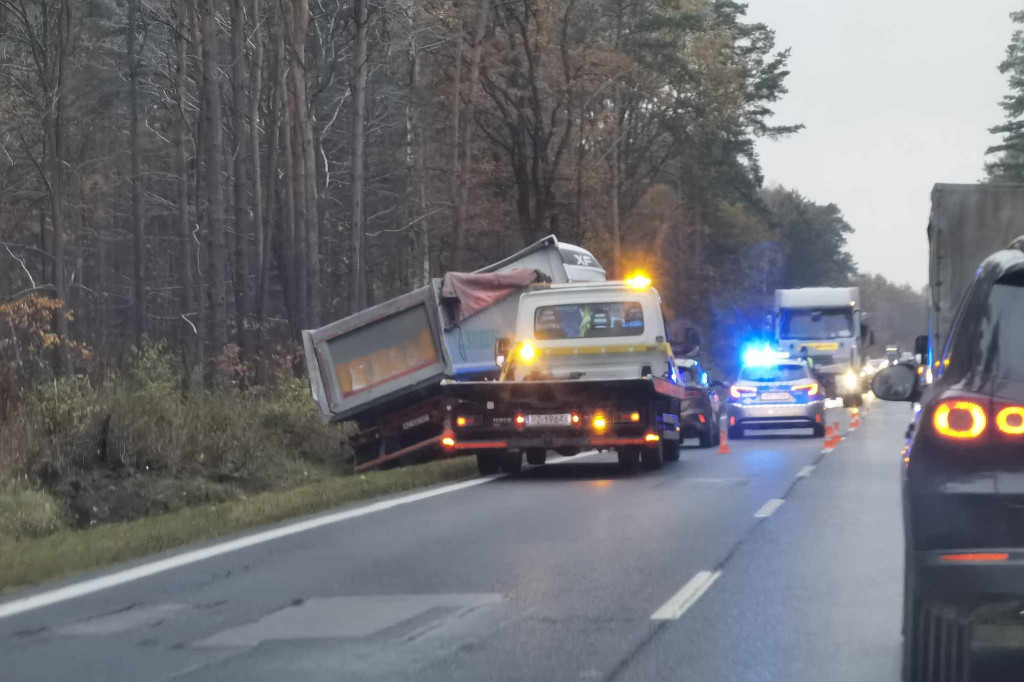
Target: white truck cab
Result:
[600, 330]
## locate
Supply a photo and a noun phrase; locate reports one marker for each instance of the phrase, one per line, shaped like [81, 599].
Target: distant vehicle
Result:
[892, 354]
[701, 407]
[383, 367]
[829, 324]
[775, 393]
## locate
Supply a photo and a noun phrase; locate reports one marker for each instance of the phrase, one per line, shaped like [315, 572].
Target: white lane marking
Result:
[582, 455]
[682, 600]
[768, 509]
[37, 601]
[805, 472]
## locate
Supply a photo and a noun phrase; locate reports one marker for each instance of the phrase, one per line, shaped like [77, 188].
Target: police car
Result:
[775, 391]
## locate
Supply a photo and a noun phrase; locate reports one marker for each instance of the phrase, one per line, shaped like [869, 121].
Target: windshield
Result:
[588, 320]
[816, 324]
[774, 373]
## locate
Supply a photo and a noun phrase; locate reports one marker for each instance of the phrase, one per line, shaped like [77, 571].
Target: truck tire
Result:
[671, 449]
[629, 459]
[510, 462]
[487, 463]
[652, 459]
[536, 456]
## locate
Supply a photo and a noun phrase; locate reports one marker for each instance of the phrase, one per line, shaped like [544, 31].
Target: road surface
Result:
[774, 562]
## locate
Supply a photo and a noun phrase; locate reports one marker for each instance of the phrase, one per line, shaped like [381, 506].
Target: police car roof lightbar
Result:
[762, 355]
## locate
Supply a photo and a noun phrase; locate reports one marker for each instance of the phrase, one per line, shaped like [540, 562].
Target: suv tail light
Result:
[959, 419]
[811, 388]
[1010, 420]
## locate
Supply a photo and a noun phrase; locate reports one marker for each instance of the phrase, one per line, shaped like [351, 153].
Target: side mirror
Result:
[921, 346]
[718, 384]
[897, 382]
[502, 347]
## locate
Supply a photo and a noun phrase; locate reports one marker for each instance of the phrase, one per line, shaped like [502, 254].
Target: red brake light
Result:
[740, 391]
[811, 388]
[1010, 420]
[959, 419]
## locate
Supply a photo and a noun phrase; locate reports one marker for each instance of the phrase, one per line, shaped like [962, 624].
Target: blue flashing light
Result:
[761, 355]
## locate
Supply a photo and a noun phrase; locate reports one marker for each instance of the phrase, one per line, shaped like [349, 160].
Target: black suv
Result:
[963, 486]
[700, 408]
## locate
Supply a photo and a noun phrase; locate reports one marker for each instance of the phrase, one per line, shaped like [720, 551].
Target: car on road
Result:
[963, 482]
[779, 393]
[701, 407]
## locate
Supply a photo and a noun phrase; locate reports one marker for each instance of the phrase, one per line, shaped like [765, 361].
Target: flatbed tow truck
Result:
[590, 367]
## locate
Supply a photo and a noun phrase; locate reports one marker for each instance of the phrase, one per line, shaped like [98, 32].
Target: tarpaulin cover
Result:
[477, 291]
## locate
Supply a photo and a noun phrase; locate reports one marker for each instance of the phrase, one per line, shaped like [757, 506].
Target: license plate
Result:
[776, 395]
[548, 419]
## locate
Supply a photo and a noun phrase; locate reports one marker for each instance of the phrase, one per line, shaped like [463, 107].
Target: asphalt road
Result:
[570, 571]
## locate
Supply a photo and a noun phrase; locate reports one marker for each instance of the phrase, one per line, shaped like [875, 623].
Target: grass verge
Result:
[32, 561]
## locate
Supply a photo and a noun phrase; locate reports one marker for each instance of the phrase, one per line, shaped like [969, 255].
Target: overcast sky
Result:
[896, 96]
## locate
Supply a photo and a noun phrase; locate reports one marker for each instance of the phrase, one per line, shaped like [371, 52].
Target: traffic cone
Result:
[828, 436]
[723, 442]
[834, 437]
[855, 419]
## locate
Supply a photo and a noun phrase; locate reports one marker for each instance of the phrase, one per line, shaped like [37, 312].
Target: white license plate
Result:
[548, 419]
[776, 395]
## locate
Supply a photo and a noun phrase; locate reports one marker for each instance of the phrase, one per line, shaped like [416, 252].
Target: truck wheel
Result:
[936, 645]
[671, 449]
[510, 462]
[536, 456]
[629, 459]
[487, 463]
[705, 437]
[653, 458]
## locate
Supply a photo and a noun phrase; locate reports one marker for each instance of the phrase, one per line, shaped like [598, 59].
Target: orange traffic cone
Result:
[828, 436]
[834, 437]
[723, 442]
[855, 418]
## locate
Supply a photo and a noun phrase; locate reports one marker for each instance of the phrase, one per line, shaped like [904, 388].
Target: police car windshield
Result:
[816, 324]
[588, 320]
[772, 373]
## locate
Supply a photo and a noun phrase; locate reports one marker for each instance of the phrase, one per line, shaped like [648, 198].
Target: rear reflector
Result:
[982, 556]
[700, 418]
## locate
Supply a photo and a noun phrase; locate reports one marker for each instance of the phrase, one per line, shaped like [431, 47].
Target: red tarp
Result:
[477, 291]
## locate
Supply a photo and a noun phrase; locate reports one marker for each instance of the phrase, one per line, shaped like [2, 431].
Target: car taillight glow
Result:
[1010, 420]
[740, 391]
[959, 419]
[811, 388]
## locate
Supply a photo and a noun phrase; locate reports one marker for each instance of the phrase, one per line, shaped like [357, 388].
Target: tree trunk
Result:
[138, 247]
[243, 143]
[288, 238]
[52, 122]
[181, 169]
[213, 183]
[255, 94]
[358, 284]
[467, 137]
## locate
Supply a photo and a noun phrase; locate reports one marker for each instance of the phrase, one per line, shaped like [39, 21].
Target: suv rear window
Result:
[995, 353]
[790, 372]
[588, 320]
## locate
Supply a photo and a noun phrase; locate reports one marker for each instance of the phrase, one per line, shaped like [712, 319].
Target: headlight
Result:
[850, 380]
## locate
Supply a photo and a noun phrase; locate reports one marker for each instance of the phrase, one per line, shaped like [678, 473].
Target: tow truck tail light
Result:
[627, 417]
[576, 419]
[467, 420]
[959, 419]
[599, 421]
[520, 420]
[741, 391]
[652, 437]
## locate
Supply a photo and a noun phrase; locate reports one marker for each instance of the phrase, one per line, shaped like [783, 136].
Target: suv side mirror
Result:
[502, 347]
[898, 382]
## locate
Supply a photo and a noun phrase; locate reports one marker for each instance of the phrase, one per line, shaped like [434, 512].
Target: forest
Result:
[187, 184]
